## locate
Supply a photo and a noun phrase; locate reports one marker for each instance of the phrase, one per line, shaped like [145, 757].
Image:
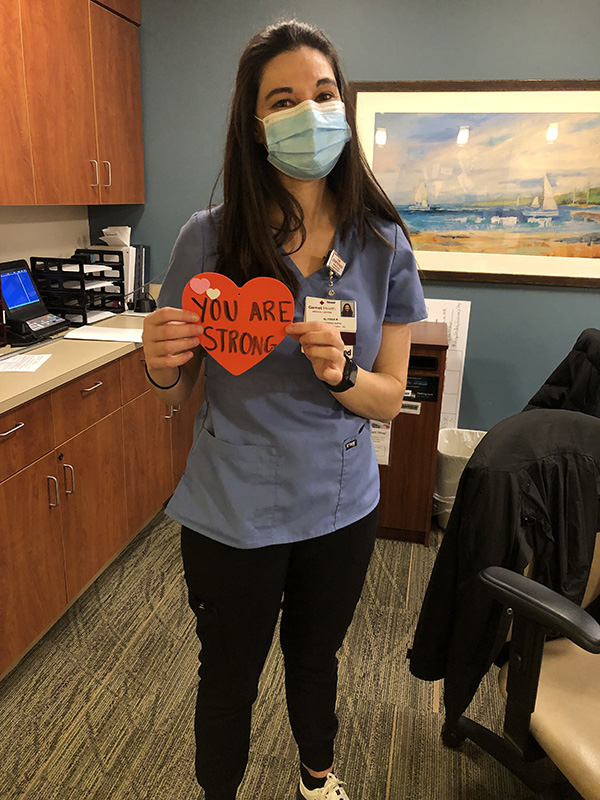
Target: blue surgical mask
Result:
[306, 141]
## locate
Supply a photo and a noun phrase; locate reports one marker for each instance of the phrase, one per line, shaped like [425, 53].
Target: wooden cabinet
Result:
[182, 431]
[407, 482]
[85, 400]
[147, 443]
[172, 429]
[82, 470]
[91, 475]
[25, 434]
[90, 469]
[147, 439]
[16, 173]
[131, 9]
[133, 376]
[32, 579]
[58, 72]
[118, 100]
[83, 88]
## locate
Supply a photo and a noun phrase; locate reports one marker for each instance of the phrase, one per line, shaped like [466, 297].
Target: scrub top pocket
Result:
[229, 487]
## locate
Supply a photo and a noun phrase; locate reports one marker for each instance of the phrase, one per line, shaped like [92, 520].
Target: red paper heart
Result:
[241, 326]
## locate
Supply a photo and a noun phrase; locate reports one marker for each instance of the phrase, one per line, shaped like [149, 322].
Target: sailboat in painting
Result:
[421, 202]
[548, 207]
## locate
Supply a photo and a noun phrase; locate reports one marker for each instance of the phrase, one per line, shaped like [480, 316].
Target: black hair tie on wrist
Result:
[158, 386]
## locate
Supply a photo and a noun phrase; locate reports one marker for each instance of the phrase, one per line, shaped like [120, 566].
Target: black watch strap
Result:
[348, 378]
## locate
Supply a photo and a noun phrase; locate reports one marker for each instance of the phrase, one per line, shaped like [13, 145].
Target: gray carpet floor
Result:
[102, 707]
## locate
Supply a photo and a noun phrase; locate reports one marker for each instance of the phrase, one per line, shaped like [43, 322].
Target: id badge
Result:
[339, 313]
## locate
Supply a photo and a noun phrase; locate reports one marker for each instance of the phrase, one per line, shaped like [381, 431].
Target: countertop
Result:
[70, 359]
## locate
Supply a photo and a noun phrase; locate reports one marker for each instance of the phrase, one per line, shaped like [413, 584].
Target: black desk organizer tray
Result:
[89, 281]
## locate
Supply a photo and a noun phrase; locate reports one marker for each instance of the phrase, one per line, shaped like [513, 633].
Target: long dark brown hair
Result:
[247, 246]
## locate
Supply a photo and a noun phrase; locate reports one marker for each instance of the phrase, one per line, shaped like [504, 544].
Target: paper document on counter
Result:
[23, 363]
[95, 333]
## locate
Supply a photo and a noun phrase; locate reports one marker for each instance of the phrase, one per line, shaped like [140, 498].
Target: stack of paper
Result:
[117, 236]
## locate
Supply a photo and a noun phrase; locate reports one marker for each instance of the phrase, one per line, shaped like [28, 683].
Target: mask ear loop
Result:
[260, 135]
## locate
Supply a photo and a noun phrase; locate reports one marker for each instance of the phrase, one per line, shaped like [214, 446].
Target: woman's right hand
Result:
[169, 337]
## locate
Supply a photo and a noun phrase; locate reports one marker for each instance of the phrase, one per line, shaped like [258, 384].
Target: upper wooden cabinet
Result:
[82, 79]
[131, 9]
[58, 72]
[118, 95]
[16, 174]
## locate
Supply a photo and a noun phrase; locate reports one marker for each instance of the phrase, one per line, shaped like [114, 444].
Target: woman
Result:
[279, 497]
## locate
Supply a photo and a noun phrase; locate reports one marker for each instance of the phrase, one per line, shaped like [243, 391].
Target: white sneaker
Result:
[331, 791]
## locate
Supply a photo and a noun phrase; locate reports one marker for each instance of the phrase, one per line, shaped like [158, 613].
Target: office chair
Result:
[552, 688]
[529, 498]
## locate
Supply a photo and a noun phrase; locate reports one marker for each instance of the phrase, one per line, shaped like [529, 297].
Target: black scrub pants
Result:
[236, 596]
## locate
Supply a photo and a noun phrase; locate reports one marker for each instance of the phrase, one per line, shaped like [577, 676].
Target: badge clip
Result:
[336, 264]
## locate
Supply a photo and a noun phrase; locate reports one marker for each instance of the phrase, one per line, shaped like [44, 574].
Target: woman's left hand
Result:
[323, 346]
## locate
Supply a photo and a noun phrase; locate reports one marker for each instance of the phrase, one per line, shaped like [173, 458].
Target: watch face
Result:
[348, 378]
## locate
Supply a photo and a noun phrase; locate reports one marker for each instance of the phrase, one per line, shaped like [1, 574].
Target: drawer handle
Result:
[56, 495]
[72, 489]
[91, 389]
[12, 430]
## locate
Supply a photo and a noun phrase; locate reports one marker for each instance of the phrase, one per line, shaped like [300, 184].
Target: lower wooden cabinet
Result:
[182, 431]
[32, 577]
[91, 474]
[147, 451]
[90, 477]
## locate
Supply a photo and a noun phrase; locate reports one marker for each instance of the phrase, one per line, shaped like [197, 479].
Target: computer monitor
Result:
[18, 289]
[26, 313]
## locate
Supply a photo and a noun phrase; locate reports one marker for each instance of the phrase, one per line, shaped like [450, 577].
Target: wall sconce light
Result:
[380, 137]
[463, 135]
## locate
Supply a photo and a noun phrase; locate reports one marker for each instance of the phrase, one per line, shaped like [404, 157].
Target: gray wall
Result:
[189, 55]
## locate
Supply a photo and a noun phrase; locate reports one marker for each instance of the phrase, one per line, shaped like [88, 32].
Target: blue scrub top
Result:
[275, 457]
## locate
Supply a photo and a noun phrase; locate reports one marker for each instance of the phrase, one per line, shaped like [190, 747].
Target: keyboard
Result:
[45, 321]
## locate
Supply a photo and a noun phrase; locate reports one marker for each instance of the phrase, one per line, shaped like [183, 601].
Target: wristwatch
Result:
[348, 377]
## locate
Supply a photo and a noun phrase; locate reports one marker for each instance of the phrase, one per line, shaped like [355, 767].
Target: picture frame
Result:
[497, 181]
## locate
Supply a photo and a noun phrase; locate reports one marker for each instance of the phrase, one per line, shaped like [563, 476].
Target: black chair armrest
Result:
[543, 606]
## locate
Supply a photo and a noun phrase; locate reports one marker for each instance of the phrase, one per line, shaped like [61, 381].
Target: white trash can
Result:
[455, 448]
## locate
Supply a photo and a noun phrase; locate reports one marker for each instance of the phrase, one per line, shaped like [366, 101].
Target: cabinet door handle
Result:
[12, 430]
[176, 408]
[91, 389]
[170, 415]
[109, 172]
[95, 163]
[56, 494]
[72, 489]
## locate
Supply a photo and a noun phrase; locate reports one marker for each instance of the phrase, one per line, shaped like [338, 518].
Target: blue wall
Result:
[189, 51]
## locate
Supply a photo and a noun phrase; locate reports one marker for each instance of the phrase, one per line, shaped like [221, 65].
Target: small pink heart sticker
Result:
[200, 285]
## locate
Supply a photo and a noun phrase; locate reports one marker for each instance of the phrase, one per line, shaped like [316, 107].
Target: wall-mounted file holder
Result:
[84, 288]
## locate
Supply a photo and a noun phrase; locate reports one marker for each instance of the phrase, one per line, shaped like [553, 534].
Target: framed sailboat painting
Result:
[496, 180]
